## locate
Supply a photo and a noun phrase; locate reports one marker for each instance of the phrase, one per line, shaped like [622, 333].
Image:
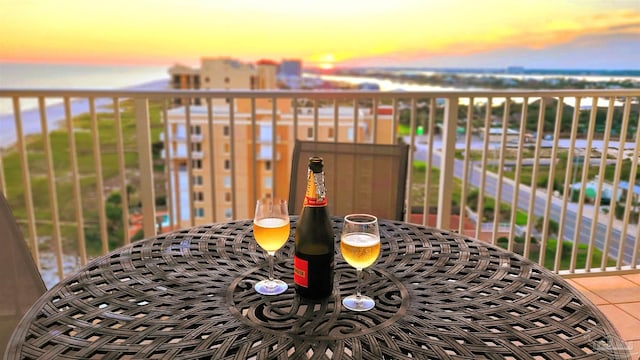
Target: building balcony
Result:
[536, 187]
[182, 153]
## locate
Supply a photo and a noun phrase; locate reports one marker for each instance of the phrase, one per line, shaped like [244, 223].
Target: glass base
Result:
[271, 287]
[358, 303]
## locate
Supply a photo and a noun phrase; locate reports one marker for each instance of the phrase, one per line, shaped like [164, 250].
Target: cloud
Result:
[613, 51]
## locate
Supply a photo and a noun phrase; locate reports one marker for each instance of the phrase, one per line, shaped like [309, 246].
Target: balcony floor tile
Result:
[618, 297]
[626, 324]
[614, 289]
[597, 300]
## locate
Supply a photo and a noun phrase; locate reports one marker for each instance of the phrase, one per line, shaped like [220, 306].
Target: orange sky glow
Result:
[322, 33]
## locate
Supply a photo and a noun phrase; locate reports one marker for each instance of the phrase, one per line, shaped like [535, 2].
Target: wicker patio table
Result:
[188, 295]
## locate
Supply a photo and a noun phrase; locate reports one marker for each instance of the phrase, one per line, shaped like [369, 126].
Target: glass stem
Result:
[358, 276]
[270, 266]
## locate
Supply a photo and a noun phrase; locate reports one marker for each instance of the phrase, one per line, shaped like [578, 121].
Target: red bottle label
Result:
[314, 202]
[300, 271]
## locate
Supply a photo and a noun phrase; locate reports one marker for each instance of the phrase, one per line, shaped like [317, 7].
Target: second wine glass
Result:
[271, 230]
[360, 247]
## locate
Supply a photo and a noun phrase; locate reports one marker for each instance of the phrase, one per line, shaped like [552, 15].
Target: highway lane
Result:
[524, 197]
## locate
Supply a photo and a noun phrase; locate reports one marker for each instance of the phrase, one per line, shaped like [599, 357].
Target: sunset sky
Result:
[472, 33]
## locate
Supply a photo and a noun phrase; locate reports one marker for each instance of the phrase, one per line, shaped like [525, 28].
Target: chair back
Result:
[20, 281]
[360, 178]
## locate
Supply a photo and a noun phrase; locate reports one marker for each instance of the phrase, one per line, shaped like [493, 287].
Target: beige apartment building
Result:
[221, 158]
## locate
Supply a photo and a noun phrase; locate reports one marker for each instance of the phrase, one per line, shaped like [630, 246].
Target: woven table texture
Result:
[189, 294]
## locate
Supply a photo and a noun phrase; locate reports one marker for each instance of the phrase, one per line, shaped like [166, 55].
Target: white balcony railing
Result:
[61, 181]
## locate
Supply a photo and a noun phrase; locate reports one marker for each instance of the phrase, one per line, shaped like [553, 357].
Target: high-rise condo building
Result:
[215, 154]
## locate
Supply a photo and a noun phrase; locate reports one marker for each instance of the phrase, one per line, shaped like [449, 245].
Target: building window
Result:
[198, 212]
[228, 213]
[226, 148]
[196, 130]
[268, 182]
[197, 180]
[350, 134]
[196, 164]
[227, 197]
[227, 164]
[310, 133]
[198, 196]
[196, 147]
[267, 165]
[225, 130]
[227, 181]
[330, 133]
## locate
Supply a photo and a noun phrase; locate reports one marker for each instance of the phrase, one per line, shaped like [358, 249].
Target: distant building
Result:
[290, 73]
[290, 68]
[221, 73]
[207, 195]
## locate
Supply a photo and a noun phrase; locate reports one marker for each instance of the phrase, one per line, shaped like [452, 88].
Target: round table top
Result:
[189, 294]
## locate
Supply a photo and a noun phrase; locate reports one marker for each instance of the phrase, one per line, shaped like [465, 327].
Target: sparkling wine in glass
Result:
[360, 247]
[271, 230]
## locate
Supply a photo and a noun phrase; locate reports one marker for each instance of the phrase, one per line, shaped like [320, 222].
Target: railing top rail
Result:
[318, 94]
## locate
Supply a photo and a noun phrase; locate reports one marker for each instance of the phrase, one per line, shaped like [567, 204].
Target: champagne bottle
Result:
[314, 240]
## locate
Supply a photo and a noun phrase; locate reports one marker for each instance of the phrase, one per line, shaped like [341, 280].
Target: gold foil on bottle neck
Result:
[316, 193]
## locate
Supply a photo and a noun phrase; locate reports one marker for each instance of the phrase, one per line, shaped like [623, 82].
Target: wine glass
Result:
[271, 230]
[360, 247]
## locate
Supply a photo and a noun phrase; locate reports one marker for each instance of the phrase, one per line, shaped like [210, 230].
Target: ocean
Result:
[64, 76]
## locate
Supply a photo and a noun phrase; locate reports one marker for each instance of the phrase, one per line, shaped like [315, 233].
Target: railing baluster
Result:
[466, 170]
[145, 165]
[585, 176]
[254, 147]
[616, 184]
[629, 205]
[97, 163]
[447, 161]
[501, 158]
[396, 118]
[534, 177]
[53, 191]
[336, 120]
[122, 169]
[551, 180]
[212, 157]
[316, 120]
[601, 174]
[274, 147]
[232, 156]
[190, 163]
[567, 192]
[26, 180]
[168, 165]
[483, 171]
[75, 179]
[430, 144]
[374, 122]
[516, 177]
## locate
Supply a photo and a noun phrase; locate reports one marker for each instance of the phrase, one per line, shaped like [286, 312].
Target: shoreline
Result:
[55, 114]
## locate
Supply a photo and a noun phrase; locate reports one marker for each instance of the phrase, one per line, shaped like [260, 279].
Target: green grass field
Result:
[59, 139]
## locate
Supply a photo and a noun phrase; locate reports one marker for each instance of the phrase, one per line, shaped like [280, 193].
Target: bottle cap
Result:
[315, 164]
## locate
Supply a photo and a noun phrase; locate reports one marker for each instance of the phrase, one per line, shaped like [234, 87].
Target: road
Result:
[524, 199]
